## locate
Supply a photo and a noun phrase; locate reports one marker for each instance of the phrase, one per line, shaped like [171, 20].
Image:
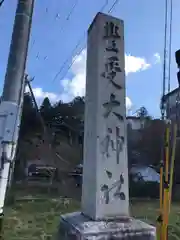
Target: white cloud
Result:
[128, 103]
[135, 64]
[76, 86]
[40, 95]
[157, 58]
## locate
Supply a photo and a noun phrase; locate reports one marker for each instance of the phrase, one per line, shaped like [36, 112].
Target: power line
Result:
[170, 43]
[1, 2]
[166, 85]
[46, 130]
[164, 62]
[57, 17]
[72, 10]
[76, 47]
[68, 58]
[113, 6]
[78, 53]
[70, 13]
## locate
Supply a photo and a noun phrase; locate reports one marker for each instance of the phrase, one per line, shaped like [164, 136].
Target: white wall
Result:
[135, 123]
[172, 106]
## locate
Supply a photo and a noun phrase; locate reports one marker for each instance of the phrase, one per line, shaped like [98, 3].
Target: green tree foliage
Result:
[29, 120]
[145, 143]
[69, 114]
[151, 141]
[46, 111]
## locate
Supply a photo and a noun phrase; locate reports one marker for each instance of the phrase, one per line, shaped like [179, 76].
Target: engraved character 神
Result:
[107, 143]
[119, 144]
[115, 145]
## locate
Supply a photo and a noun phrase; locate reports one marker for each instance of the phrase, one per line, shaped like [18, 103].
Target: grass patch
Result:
[148, 211]
[39, 219]
[35, 219]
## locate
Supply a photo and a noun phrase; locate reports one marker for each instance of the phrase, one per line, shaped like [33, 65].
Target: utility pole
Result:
[18, 51]
[12, 94]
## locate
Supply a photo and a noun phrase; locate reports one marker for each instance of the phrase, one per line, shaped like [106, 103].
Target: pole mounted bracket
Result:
[8, 123]
[159, 219]
[8, 117]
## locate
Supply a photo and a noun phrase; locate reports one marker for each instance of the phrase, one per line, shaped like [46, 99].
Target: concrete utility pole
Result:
[18, 51]
[13, 91]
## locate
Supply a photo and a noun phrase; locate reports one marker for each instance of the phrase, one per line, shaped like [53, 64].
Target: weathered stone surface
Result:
[105, 191]
[75, 226]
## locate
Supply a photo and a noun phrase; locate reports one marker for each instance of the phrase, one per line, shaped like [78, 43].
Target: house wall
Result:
[135, 123]
[172, 108]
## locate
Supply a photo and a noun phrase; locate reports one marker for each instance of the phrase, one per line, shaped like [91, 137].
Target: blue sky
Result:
[54, 36]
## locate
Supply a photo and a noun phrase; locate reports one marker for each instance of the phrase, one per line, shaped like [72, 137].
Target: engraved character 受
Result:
[111, 69]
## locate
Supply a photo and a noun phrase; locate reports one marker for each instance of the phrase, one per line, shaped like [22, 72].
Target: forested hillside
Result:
[53, 133]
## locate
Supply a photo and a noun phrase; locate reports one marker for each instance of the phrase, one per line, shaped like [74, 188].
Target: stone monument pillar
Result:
[105, 180]
[105, 191]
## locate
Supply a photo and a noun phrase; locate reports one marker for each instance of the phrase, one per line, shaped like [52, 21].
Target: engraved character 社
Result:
[119, 194]
[117, 186]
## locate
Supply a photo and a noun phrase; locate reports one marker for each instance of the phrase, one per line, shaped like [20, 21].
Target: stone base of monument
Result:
[77, 226]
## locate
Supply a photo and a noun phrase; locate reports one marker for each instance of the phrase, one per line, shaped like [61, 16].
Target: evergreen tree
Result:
[46, 111]
[29, 118]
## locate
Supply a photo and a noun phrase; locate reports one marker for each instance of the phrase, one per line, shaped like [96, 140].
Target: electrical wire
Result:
[80, 51]
[164, 168]
[46, 130]
[47, 135]
[69, 15]
[69, 58]
[72, 10]
[57, 17]
[170, 44]
[113, 6]
[1, 2]
[73, 51]
[164, 63]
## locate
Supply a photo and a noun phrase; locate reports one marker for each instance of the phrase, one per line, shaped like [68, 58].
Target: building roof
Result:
[171, 93]
[135, 118]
